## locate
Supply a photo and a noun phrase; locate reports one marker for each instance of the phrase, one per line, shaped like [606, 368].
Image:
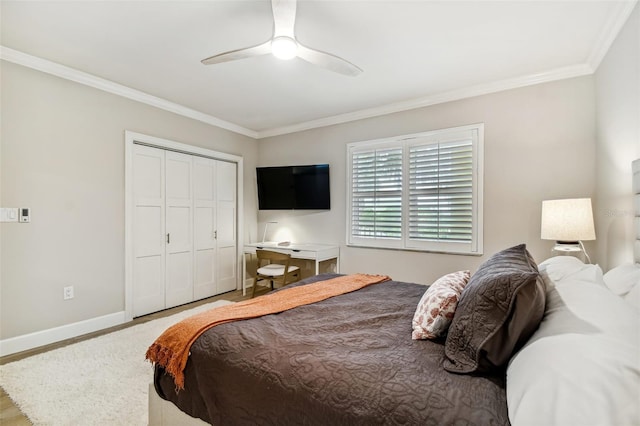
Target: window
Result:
[417, 192]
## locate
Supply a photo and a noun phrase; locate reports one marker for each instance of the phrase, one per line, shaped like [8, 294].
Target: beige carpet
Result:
[101, 381]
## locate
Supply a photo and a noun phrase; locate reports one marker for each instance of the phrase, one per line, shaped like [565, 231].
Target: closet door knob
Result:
[168, 238]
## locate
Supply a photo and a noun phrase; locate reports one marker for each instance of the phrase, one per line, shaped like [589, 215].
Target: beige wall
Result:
[539, 144]
[62, 155]
[618, 143]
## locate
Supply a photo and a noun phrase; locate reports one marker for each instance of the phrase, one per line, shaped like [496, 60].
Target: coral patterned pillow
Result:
[437, 306]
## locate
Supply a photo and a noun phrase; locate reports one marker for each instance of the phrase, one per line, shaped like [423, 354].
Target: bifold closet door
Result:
[227, 275]
[204, 189]
[179, 228]
[184, 228]
[215, 227]
[162, 229]
[148, 230]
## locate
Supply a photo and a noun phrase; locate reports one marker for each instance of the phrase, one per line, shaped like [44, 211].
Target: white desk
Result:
[315, 252]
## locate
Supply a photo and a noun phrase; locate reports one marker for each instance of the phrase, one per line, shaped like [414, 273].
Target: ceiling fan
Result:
[283, 44]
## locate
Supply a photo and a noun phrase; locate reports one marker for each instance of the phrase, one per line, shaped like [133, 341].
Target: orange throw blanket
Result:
[171, 349]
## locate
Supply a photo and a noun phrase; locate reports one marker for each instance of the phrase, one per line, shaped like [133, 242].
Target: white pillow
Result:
[633, 297]
[570, 269]
[582, 365]
[622, 279]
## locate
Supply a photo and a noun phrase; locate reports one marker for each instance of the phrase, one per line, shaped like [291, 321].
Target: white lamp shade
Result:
[567, 220]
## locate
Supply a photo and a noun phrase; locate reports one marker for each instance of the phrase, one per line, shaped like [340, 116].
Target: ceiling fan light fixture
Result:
[284, 47]
[283, 44]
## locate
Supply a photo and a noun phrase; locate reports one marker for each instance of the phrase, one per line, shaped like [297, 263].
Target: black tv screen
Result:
[293, 187]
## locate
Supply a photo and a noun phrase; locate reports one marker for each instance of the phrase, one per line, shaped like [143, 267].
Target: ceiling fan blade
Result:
[328, 61]
[233, 55]
[284, 17]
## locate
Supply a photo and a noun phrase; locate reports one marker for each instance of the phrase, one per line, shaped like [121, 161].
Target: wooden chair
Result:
[277, 269]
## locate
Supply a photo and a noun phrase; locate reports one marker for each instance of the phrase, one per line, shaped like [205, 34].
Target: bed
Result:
[346, 360]
[559, 346]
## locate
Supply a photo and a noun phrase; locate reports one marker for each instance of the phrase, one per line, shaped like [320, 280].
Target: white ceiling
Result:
[413, 53]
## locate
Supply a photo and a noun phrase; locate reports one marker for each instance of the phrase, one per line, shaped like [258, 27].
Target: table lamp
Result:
[568, 222]
[266, 226]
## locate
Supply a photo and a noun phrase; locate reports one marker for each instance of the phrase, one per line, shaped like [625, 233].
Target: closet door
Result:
[184, 228]
[179, 229]
[227, 271]
[148, 230]
[204, 174]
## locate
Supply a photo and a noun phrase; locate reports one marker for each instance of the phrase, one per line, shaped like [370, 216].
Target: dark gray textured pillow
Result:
[498, 311]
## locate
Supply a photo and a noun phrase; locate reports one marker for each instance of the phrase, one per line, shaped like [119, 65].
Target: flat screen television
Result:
[293, 187]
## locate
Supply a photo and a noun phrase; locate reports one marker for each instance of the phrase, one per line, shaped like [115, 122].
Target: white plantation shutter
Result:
[441, 191]
[376, 185]
[418, 192]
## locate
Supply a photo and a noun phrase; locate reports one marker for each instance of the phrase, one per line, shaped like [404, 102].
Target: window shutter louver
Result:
[441, 192]
[377, 194]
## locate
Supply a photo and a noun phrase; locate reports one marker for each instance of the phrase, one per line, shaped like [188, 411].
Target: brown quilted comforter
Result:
[348, 360]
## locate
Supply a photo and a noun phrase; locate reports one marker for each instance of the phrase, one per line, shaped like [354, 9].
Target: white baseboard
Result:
[40, 338]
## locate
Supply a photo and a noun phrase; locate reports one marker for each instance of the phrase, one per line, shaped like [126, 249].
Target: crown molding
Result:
[62, 71]
[613, 26]
[610, 31]
[453, 95]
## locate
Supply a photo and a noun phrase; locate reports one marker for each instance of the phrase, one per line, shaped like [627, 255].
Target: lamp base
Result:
[568, 246]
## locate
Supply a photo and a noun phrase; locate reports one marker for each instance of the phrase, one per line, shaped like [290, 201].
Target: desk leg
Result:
[317, 266]
[244, 274]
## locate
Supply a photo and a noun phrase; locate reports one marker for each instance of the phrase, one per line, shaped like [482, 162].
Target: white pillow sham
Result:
[582, 365]
[559, 269]
[622, 279]
[633, 297]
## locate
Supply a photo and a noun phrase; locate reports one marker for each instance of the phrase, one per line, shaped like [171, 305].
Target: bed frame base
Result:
[164, 413]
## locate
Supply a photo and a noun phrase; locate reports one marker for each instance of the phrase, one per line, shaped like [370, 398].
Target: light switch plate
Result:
[8, 214]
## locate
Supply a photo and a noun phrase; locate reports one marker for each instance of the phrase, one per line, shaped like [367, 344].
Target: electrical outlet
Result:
[67, 292]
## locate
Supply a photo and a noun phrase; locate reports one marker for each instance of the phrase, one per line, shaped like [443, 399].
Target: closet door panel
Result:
[179, 229]
[179, 282]
[178, 183]
[204, 280]
[148, 229]
[226, 181]
[204, 227]
[205, 254]
[226, 224]
[227, 269]
[148, 292]
[148, 239]
[148, 174]
[204, 236]
[227, 276]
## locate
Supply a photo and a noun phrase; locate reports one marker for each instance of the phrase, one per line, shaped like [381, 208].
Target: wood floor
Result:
[10, 415]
